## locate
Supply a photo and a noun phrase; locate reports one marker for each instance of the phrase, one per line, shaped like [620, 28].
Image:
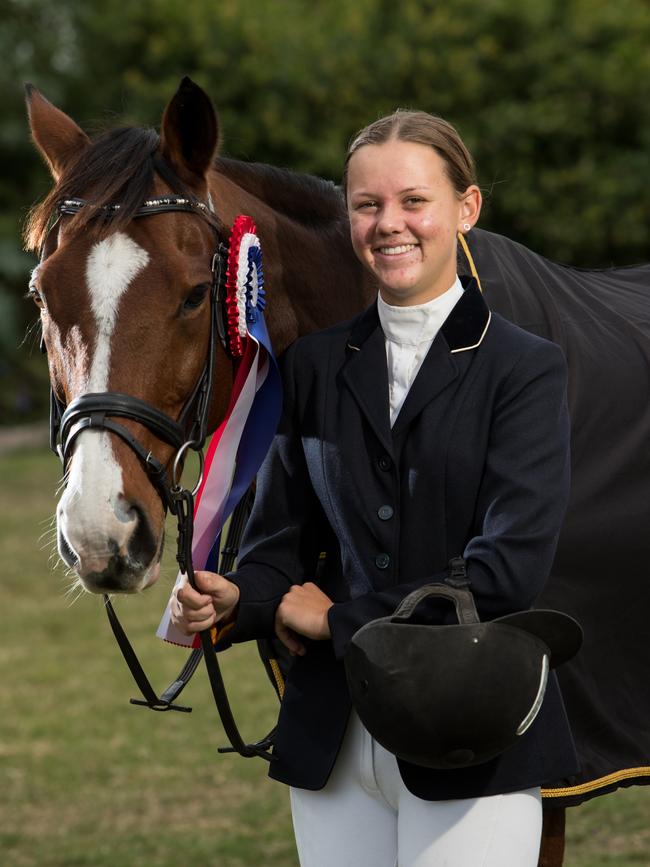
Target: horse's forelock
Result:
[117, 167]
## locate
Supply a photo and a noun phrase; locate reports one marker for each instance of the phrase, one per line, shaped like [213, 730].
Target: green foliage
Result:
[552, 96]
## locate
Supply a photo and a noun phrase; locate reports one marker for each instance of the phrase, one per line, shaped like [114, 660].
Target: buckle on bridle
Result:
[160, 705]
[177, 469]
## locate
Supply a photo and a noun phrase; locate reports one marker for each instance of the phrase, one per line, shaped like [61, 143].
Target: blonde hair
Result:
[421, 128]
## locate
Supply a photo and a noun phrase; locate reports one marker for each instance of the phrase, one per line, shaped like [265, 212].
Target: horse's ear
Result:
[190, 133]
[56, 135]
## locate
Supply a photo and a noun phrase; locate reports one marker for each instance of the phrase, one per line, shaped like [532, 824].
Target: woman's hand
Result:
[303, 611]
[214, 601]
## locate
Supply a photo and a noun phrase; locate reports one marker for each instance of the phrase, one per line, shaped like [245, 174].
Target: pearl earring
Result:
[466, 227]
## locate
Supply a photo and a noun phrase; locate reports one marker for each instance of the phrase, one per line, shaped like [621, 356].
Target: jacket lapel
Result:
[462, 330]
[366, 374]
[438, 370]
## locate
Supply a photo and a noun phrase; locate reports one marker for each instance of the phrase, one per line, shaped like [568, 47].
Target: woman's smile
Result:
[399, 250]
[391, 256]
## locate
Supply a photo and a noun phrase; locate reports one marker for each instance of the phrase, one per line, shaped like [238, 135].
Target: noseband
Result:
[96, 411]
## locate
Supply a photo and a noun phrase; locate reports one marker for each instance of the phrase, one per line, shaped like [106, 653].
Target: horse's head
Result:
[125, 307]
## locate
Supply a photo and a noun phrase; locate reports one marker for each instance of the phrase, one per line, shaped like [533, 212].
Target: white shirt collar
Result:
[410, 326]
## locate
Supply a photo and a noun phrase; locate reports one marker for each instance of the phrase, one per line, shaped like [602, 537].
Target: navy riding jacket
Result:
[476, 465]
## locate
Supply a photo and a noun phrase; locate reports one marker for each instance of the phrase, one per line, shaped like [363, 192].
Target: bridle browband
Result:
[97, 411]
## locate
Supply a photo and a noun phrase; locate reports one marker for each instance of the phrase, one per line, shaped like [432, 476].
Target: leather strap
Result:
[124, 405]
[164, 702]
[461, 596]
[155, 469]
[160, 205]
[151, 700]
[184, 557]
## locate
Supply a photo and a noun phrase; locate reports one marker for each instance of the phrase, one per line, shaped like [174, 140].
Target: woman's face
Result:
[404, 216]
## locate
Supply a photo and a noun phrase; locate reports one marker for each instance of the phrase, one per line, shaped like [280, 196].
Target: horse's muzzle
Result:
[124, 561]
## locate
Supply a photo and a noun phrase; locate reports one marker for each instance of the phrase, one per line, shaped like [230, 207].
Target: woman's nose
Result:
[390, 220]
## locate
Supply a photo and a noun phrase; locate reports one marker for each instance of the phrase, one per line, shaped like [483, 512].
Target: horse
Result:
[109, 299]
[125, 301]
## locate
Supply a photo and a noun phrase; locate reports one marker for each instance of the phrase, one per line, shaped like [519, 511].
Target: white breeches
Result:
[366, 817]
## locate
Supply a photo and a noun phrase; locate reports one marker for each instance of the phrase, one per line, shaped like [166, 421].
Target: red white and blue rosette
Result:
[244, 283]
[241, 441]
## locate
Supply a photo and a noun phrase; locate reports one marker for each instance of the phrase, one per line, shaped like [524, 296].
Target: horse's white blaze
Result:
[92, 515]
[112, 264]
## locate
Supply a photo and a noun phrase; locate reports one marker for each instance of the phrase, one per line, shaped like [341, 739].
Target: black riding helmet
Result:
[458, 695]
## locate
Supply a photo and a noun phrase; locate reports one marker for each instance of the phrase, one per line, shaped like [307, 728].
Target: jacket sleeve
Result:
[520, 505]
[279, 547]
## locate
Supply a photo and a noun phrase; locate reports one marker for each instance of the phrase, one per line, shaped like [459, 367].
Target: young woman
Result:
[425, 429]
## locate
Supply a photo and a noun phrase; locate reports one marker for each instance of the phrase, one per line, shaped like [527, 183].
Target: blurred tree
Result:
[552, 96]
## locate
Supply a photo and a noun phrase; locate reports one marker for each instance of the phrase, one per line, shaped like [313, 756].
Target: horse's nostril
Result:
[142, 544]
[126, 512]
[65, 551]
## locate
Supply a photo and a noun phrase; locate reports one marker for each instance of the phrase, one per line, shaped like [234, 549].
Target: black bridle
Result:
[93, 410]
[97, 411]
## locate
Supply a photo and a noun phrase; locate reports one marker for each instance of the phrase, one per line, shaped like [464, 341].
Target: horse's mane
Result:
[118, 166]
[307, 199]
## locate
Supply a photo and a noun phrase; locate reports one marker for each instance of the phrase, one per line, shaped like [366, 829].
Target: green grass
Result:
[86, 780]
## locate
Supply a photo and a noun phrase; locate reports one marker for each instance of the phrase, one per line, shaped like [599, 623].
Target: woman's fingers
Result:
[286, 634]
[289, 639]
[192, 620]
[191, 627]
[193, 610]
[201, 614]
[191, 599]
[304, 609]
[209, 582]
[222, 592]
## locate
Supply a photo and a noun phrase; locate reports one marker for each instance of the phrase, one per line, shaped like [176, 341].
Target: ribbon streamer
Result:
[241, 441]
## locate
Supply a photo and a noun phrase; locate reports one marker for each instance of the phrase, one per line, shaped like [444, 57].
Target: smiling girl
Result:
[425, 429]
[405, 214]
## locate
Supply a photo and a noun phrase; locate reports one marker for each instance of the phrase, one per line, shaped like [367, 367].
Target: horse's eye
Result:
[35, 295]
[196, 297]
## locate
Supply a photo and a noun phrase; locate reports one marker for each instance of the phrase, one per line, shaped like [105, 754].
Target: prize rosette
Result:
[244, 282]
[239, 444]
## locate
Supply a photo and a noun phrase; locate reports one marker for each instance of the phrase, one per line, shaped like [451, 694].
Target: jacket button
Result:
[382, 561]
[384, 462]
[385, 512]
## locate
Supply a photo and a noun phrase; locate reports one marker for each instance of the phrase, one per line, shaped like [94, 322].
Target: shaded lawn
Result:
[86, 779]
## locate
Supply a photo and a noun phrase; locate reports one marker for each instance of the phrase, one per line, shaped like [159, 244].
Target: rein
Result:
[97, 411]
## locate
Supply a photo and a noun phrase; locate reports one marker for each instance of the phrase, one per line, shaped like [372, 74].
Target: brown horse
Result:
[125, 304]
[125, 307]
